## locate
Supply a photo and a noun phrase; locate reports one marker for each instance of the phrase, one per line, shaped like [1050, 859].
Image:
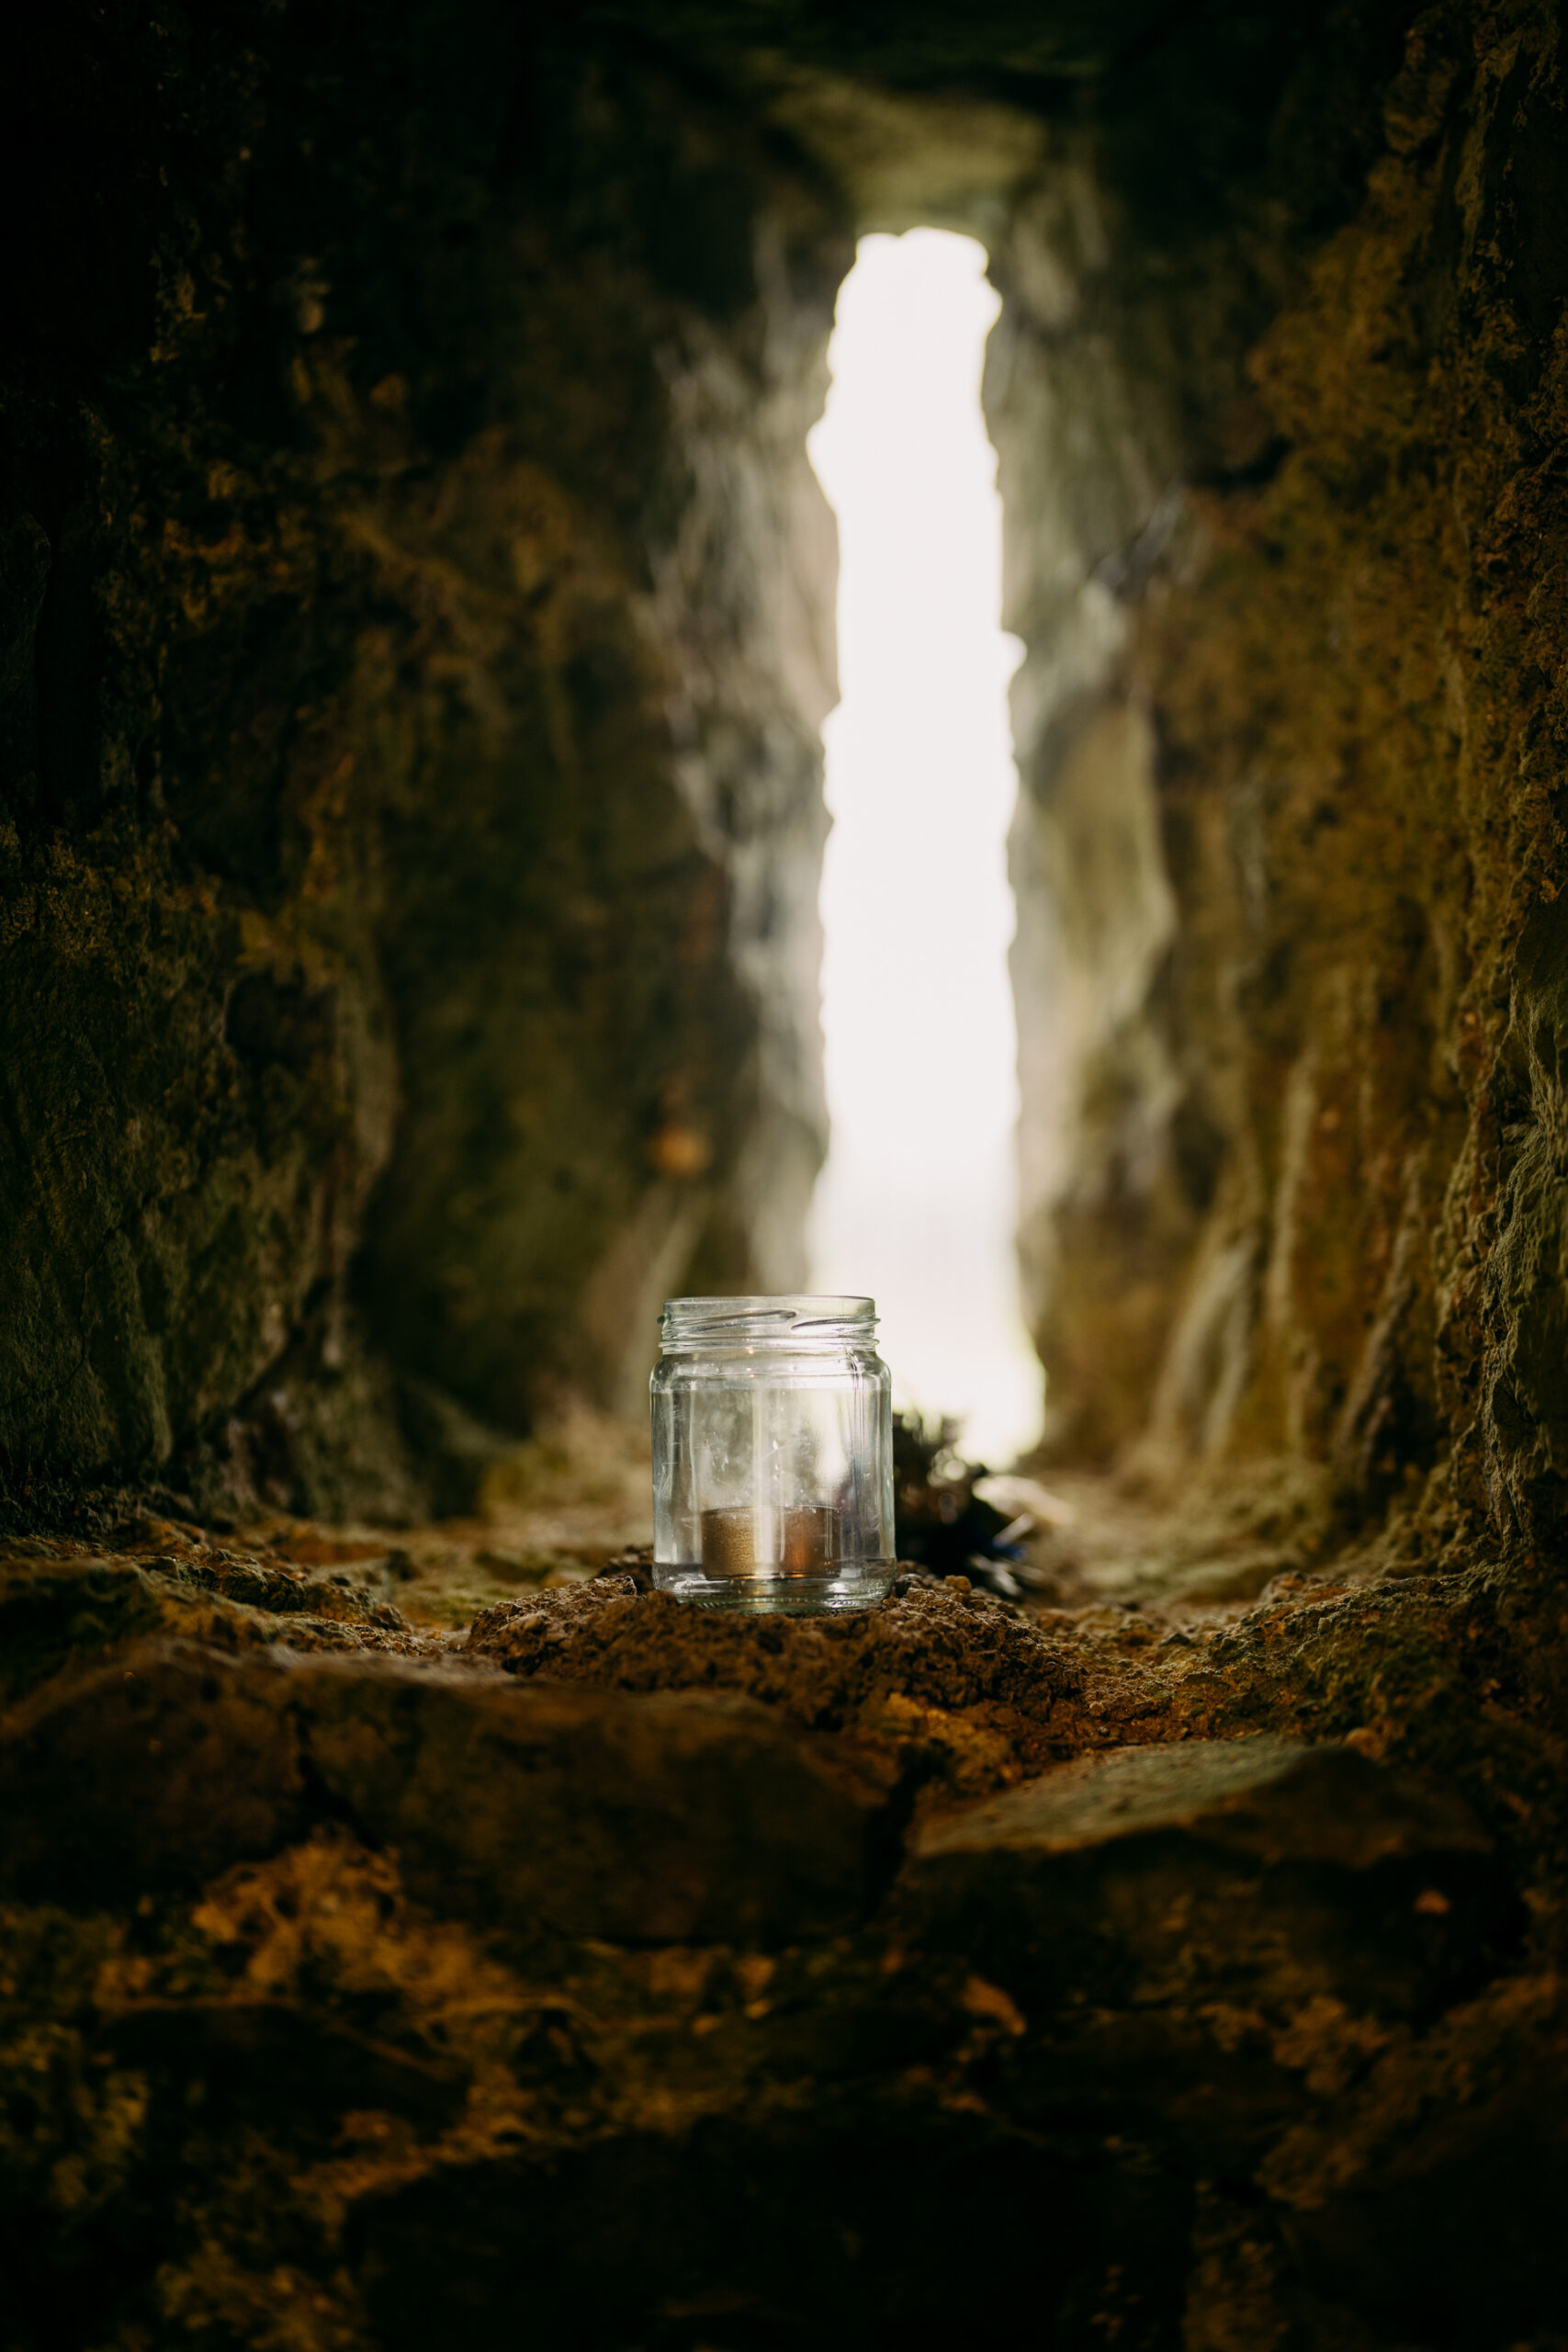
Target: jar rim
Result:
[790, 1316]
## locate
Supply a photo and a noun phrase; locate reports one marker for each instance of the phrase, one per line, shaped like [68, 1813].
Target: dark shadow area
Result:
[1144, 1927]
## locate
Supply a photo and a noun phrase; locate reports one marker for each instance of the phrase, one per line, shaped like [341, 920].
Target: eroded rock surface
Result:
[645, 1968]
[1285, 538]
[417, 610]
[413, 602]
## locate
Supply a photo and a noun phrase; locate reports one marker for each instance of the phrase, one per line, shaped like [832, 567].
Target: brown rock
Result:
[1185, 1872]
[665, 1818]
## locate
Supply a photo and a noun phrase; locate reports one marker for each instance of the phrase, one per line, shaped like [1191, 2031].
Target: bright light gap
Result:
[918, 1202]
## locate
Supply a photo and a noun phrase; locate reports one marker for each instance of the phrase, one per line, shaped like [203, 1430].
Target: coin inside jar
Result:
[744, 1539]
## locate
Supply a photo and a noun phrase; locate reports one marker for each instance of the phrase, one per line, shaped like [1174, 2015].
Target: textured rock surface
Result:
[1284, 534]
[418, 611]
[690, 1973]
[522, 1809]
[414, 601]
[418, 625]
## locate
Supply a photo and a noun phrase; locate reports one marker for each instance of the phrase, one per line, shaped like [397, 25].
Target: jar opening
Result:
[744, 1322]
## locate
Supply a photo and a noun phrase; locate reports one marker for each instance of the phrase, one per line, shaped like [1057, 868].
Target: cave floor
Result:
[400, 1922]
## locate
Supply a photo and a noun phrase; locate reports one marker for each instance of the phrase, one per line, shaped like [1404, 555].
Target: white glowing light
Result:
[918, 1202]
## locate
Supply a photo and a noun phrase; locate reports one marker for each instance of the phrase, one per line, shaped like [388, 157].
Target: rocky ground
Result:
[404, 1932]
[415, 608]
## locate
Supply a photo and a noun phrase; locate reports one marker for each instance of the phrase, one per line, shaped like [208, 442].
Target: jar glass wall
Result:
[773, 1455]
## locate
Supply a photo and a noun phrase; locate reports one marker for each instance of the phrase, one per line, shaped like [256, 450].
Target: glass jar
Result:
[773, 1455]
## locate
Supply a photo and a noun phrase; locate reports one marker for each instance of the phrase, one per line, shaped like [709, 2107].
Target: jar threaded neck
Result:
[791, 1319]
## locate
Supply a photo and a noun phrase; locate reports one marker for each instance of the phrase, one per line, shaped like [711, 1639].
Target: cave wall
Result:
[1288, 849]
[1384, 781]
[418, 608]
[418, 627]
[410, 726]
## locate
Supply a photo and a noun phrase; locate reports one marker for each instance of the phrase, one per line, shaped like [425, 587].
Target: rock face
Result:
[414, 608]
[354, 1983]
[419, 624]
[418, 611]
[1278, 480]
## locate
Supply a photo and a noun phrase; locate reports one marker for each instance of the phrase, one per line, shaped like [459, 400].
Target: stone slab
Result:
[691, 1817]
[1272, 1798]
[1259, 1872]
